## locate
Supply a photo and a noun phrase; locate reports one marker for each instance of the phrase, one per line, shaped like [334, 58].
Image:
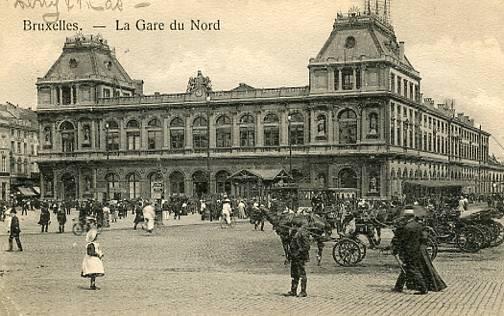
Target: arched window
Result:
[177, 133]
[223, 184]
[112, 181]
[296, 128]
[223, 131]
[112, 135]
[347, 179]
[154, 134]
[321, 127]
[247, 131]
[67, 137]
[200, 133]
[133, 135]
[177, 183]
[26, 166]
[47, 144]
[271, 130]
[321, 180]
[200, 183]
[133, 186]
[347, 121]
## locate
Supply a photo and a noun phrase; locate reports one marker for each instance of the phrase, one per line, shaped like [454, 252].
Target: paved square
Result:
[186, 268]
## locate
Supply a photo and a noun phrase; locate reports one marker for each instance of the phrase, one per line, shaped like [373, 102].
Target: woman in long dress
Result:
[92, 265]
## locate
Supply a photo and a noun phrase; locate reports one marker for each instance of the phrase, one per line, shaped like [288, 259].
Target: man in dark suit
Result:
[410, 243]
[299, 248]
[406, 244]
[14, 231]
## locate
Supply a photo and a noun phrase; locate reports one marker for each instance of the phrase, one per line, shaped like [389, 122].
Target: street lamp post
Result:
[208, 147]
[289, 118]
[107, 139]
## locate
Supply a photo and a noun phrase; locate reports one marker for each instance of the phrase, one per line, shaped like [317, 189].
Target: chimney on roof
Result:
[401, 50]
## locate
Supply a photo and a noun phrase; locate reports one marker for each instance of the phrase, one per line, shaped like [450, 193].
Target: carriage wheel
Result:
[432, 247]
[470, 239]
[77, 229]
[346, 252]
[498, 230]
[488, 235]
[363, 250]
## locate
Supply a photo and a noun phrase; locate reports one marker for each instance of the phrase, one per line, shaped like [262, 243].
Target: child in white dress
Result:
[92, 265]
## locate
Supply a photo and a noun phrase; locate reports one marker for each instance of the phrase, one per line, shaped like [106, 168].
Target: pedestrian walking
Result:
[14, 231]
[409, 245]
[45, 219]
[241, 210]
[299, 247]
[92, 265]
[149, 215]
[226, 210]
[24, 208]
[61, 217]
[106, 215]
[138, 216]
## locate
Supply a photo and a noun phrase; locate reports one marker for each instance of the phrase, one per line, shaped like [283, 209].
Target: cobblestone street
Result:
[203, 269]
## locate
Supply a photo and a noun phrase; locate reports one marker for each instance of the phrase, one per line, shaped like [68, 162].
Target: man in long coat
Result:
[417, 271]
[14, 231]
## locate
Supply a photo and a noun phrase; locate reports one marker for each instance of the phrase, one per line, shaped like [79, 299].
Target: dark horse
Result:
[282, 223]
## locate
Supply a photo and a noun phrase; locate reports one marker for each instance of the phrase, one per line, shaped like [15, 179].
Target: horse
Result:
[282, 223]
[257, 216]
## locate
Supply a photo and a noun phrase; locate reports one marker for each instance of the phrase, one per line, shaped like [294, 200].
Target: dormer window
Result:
[73, 63]
[108, 64]
[350, 42]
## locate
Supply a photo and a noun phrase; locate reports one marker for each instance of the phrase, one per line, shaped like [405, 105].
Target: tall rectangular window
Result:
[399, 89]
[392, 83]
[405, 94]
[271, 136]
[133, 139]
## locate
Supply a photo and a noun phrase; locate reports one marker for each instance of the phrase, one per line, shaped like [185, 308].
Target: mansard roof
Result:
[87, 57]
[373, 38]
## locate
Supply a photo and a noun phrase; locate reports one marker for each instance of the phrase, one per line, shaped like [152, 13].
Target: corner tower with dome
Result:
[359, 128]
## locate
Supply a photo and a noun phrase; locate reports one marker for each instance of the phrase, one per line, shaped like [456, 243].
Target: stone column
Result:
[363, 78]
[95, 187]
[123, 143]
[166, 132]
[235, 133]
[60, 93]
[78, 136]
[330, 79]
[56, 139]
[340, 78]
[212, 133]
[144, 139]
[77, 87]
[354, 83]
[71, 94]
[188, 132]
[313, 125]
[93, 135]
[259, 131]
[284, 128]
[330, 127]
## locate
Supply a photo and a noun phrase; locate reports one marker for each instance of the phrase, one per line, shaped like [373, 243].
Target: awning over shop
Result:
[26, 191]
[437, 184]
[37, 190]
[261, 174]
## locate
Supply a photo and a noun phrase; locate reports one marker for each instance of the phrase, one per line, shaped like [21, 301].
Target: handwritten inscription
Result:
[54, 8]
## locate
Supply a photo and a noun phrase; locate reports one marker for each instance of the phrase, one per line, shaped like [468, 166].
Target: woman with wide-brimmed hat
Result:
[92, 265]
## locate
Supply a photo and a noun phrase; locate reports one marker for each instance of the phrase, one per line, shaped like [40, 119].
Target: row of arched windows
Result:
[347, 121]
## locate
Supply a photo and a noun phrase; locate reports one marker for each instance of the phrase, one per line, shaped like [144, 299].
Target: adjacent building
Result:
[19, 174]
[361, 126]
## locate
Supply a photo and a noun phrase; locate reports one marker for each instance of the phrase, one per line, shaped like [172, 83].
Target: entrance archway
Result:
[347, 179]
[223, 184]
[69, 187]
[200, 183]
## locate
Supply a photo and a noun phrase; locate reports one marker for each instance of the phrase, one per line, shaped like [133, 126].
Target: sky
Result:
[457, 45]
